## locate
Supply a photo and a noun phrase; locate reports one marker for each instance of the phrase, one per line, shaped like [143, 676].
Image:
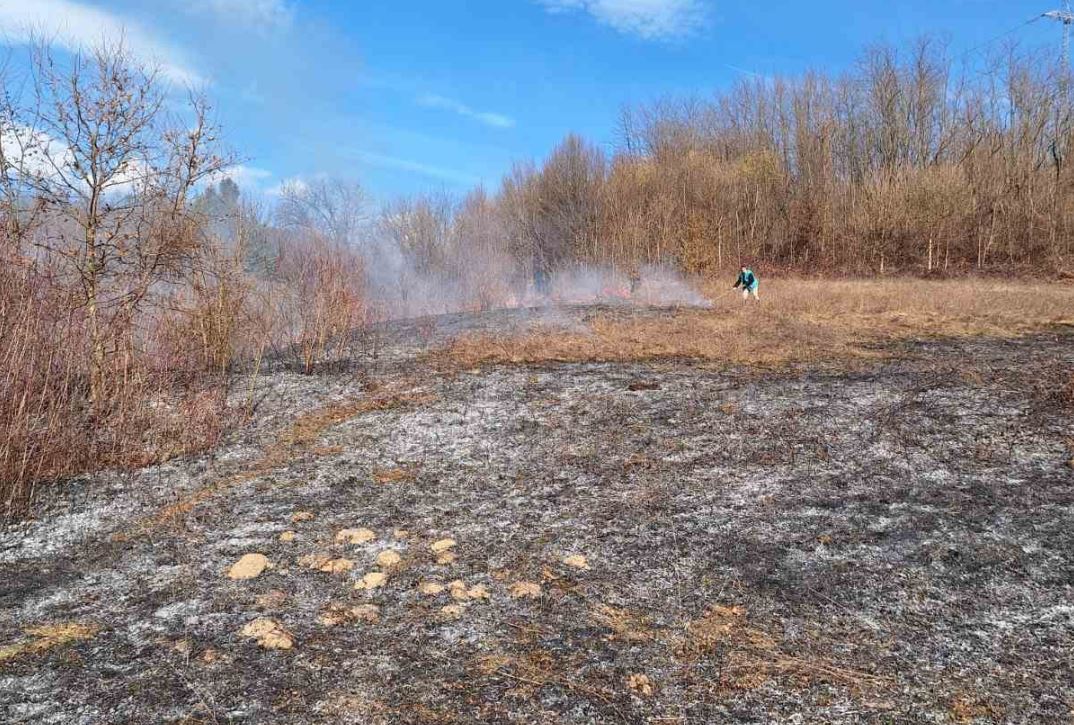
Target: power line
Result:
[1005, 33]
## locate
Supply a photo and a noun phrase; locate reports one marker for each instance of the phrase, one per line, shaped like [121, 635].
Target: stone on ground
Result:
[525, 589]
[430, 589]
[640, 684]
[336, 566]
[268, 633]
[388, 558]
[478, 591]
[355, 536]
[248, 567]
[452, 611]
[576, 561]
[366, 613]
[372, 580]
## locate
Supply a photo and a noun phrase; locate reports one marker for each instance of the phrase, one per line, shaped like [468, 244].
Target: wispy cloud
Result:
[436, 172]
[648, 19]
[263, 14]
[498, 120]
[76, 26]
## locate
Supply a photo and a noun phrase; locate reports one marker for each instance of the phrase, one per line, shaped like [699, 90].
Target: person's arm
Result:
[737, 282]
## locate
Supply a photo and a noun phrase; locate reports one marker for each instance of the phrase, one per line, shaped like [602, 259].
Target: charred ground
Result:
[668, 540]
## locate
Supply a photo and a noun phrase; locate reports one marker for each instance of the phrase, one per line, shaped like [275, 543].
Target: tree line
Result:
[909, 162]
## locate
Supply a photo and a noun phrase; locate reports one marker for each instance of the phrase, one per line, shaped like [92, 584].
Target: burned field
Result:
[884, 539]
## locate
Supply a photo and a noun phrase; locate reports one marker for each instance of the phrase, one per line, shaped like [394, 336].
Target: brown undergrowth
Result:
[796, 321]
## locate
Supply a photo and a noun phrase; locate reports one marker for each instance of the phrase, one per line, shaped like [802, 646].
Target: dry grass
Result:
[394, 474]
[796, 321]
[753, 656]
[46, 637]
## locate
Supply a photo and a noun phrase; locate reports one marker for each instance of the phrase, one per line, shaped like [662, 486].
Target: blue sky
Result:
[413, 96]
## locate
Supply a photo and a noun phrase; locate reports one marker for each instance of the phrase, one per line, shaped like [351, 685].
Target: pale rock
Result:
[355, 536]
[388, 558]
[452, 611]
[332, 616]
[523, 589]
[458, 590]
[576, 561]
[314, 561]
[372, 580]
[366, 613]
[268, 633]
[248, 567]
[640, 684]
[478, 591]
[336, 566]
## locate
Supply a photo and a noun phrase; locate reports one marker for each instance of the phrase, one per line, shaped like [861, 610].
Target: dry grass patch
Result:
[796, 321]
[394, 474]
[967, 708]
[624, 625]
[46, 637]
[753, 656]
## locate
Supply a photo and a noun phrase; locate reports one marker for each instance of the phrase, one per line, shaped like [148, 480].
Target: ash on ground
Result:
[669, 541]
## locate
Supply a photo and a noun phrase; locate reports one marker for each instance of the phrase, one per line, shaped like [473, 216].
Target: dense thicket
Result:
[132, 280]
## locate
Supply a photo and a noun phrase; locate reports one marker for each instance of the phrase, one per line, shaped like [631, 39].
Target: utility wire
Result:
[1002, 35]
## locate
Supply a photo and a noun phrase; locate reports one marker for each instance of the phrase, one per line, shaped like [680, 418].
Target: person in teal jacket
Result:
[749, 283]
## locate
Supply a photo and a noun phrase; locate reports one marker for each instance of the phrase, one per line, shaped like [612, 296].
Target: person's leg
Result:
[754, 291]
[745, 294]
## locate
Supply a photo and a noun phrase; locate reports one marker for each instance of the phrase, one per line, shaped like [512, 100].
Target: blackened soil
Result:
[890, 541]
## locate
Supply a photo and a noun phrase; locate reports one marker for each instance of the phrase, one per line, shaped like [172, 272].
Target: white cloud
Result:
[431, 100]
[76, 26]
[265, 14]
[39, 158]
[247, 177]
[648, 19]
[31, 152]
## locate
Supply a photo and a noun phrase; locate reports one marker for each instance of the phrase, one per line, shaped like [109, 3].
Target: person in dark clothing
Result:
[749, 283]
[542, 281]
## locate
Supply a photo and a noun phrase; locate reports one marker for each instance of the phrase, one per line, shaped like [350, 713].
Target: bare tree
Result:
[334, 208]
[110, 175]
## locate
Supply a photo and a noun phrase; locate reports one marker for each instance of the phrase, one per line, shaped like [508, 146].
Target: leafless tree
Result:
[109, 175]
[333, 207]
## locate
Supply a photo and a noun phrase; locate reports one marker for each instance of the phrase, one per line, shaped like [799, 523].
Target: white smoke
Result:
[401, 289]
